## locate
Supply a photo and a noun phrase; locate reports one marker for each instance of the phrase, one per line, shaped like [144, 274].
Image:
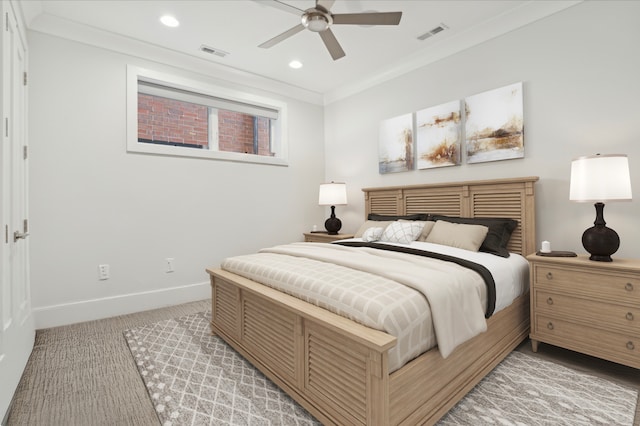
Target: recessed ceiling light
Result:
[295, 64]
[169, 21]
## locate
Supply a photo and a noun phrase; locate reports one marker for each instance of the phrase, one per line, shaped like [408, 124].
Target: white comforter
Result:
[407, 296]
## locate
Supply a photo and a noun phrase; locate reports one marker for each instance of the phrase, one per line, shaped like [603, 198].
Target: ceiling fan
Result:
[319, 20]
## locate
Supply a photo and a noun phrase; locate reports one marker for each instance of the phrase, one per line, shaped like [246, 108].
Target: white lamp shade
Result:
[600, 178]
[332, 194]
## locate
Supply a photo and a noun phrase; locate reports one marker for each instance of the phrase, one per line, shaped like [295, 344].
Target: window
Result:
[174, 116]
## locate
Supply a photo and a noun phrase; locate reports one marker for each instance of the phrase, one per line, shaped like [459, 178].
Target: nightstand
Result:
[587, 306]
[323, 237]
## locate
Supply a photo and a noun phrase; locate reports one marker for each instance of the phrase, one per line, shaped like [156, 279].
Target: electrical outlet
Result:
[103, 272]
[169, 264]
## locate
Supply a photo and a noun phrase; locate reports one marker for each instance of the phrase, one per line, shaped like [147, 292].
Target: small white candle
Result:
[546, 247]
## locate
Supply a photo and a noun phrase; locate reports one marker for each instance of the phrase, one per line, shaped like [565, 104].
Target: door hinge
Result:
[6, 21]
[6, 126]
[25, 78]
[6, 234]
[25, 152]
[25, 226]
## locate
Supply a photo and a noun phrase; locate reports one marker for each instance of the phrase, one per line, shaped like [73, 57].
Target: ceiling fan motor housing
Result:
[316, 20]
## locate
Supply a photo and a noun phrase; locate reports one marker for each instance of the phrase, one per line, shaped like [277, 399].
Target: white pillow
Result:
[427, 225]
[468, 237]
[372, 234]
[402, 232]
[371, 224]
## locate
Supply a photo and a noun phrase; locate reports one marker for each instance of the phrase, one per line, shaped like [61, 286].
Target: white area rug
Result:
[194, 378]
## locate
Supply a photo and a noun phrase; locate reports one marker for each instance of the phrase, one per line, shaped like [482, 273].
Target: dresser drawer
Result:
[618, 347]
[591, 312]
[619, 287]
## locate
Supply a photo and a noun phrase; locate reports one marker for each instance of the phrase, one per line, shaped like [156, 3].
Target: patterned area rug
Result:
[525, 390]
[194, 378]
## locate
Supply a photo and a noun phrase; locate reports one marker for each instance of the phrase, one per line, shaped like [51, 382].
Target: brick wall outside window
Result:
[236, 133]
[168, 120]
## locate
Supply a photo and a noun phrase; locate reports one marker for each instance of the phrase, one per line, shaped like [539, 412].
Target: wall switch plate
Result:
[169, 264]
[103, 272]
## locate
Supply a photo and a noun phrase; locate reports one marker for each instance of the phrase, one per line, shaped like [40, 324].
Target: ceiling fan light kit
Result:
[320, 19]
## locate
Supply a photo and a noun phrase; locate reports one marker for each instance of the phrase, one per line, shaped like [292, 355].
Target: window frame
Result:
[279, 126]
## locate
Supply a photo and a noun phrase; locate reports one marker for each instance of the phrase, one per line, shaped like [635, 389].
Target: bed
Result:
[338, 369]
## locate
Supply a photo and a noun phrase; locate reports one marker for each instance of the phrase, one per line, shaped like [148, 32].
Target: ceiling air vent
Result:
[433, 32]
[213, 51]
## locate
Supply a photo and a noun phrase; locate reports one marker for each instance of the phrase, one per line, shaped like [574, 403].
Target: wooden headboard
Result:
[513, 198]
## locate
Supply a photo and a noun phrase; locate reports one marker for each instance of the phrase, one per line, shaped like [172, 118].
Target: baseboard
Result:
[88, 310]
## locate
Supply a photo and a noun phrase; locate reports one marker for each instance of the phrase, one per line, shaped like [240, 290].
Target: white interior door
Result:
[16, 322]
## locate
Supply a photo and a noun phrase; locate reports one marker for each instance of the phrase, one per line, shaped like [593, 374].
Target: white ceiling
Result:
[373, 53]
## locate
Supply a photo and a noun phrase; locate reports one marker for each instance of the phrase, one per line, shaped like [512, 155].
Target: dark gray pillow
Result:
[417, 216]
[500, 230]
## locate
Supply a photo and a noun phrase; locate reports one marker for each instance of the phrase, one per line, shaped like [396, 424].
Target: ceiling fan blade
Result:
[368, 18]
[332, 44]
[325, 4]
[282, 6]
[285, 35]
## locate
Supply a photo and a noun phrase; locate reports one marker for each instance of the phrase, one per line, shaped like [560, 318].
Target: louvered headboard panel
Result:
[513, 198]
[444, 201]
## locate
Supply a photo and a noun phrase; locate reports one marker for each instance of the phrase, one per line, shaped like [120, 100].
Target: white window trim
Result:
[279, 131]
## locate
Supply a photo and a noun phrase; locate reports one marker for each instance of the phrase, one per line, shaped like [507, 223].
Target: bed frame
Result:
[338, 369]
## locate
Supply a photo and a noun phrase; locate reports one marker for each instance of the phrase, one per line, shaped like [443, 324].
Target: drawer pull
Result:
[630, 345]
[550, 276]
[550, 327]
[549, 301]
[629, 316]
[628, 287]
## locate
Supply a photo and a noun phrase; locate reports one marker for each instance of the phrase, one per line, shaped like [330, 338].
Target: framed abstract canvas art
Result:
[438, 136]
[494, 125]
[396, 152]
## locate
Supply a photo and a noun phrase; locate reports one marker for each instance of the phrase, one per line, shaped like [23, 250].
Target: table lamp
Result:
[599, 178]
[333, 194]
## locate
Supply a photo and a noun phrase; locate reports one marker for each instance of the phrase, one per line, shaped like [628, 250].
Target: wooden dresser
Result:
[587, 306]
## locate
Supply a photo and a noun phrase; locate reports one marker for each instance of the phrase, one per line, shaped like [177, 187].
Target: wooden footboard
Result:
[337, 369]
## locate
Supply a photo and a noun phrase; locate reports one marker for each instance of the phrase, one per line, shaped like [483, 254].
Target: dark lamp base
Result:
[601, 242]
[333, 224]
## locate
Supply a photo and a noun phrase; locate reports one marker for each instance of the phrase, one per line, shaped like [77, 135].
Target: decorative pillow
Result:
[371, 224]
[372, 234]
[426, 230]
[428, 225]
[500, 230]
[468, 237]
[417, 216]
[402, 232]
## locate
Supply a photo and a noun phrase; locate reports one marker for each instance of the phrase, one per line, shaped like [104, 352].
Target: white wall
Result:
[93, 203]
[581, 97]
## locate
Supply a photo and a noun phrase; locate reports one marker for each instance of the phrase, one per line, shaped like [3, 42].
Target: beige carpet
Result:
[194, 378]
[84, 374]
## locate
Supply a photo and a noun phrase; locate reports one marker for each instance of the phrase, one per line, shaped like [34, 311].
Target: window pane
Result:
[238, 132]
[171, 122]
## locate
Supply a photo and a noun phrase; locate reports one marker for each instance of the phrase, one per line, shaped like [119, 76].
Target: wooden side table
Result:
[587, 306]
[323, 237]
